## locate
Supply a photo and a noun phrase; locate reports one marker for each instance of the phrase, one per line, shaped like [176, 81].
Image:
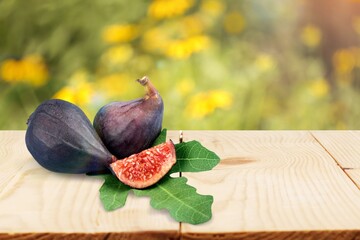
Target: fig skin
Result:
[62, 139]
[129, 127]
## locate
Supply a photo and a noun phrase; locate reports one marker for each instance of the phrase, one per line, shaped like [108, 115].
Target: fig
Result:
[62, 139]
[129, 127]
[146, 168]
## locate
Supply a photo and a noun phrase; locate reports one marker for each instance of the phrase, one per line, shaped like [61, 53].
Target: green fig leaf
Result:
[161, 138]
[173, 194]
[113, 193]
[181, 200]
[193, 157]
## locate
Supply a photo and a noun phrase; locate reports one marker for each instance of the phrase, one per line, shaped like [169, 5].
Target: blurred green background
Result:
[250, 64]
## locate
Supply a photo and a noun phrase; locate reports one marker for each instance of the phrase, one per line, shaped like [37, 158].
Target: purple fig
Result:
[130, 127]
[61, 139]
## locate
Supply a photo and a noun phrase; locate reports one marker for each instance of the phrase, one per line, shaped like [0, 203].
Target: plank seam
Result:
[181, 139]
[336, 161]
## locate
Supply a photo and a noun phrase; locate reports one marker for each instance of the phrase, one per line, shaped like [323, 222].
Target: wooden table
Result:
[269, 185]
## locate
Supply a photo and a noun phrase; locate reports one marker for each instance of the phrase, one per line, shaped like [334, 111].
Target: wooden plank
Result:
[273, 184]
[269, 185]
[40, 203]
[354, 174]
[344, 146]
[147, 235]
[275, 235]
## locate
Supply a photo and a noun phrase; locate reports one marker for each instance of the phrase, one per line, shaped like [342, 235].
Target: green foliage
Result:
[113, 193]
[181, 200]
[173, 194]
[161, 138]
[193, 157]
[217, 64]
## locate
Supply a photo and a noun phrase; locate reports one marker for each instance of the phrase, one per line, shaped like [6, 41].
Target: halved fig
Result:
[146, 168]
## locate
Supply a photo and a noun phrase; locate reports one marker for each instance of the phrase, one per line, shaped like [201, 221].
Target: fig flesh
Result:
[62, 139]
[129, 127]
[146, 168]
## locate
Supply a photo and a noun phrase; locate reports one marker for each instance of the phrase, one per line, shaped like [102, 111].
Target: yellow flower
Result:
[155, 40]
[176, 39]
[220, 99]
[344, 61]
[113, 85]
[185, 86]
[205, 103]
[66, 93]
[118, 33]
[118, 54]
[31, 69]
[192, 25]
[79, 91]
[12, 70]
[198, 43]
[212, 7]
[319, 87]
[311, 36]
[198, 108]
[161, 9]
[36, 72]
[178, 50]
[265, 62]
[182, 49]
[234, 23]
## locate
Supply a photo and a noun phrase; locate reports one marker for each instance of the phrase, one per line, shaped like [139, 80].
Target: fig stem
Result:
[181, 140]
[144, 80]
[151, 90]
[113, 159]
[181, 136]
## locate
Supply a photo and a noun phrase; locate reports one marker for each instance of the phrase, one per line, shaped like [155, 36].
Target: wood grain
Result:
[36, 201]
[146, 235]
[274, 181]
[344, 146]
[275, 235]
[354, 174]
[269, 185]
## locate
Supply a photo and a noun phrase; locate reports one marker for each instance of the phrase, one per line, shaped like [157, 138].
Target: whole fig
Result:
[130, 127]
[61, 139]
